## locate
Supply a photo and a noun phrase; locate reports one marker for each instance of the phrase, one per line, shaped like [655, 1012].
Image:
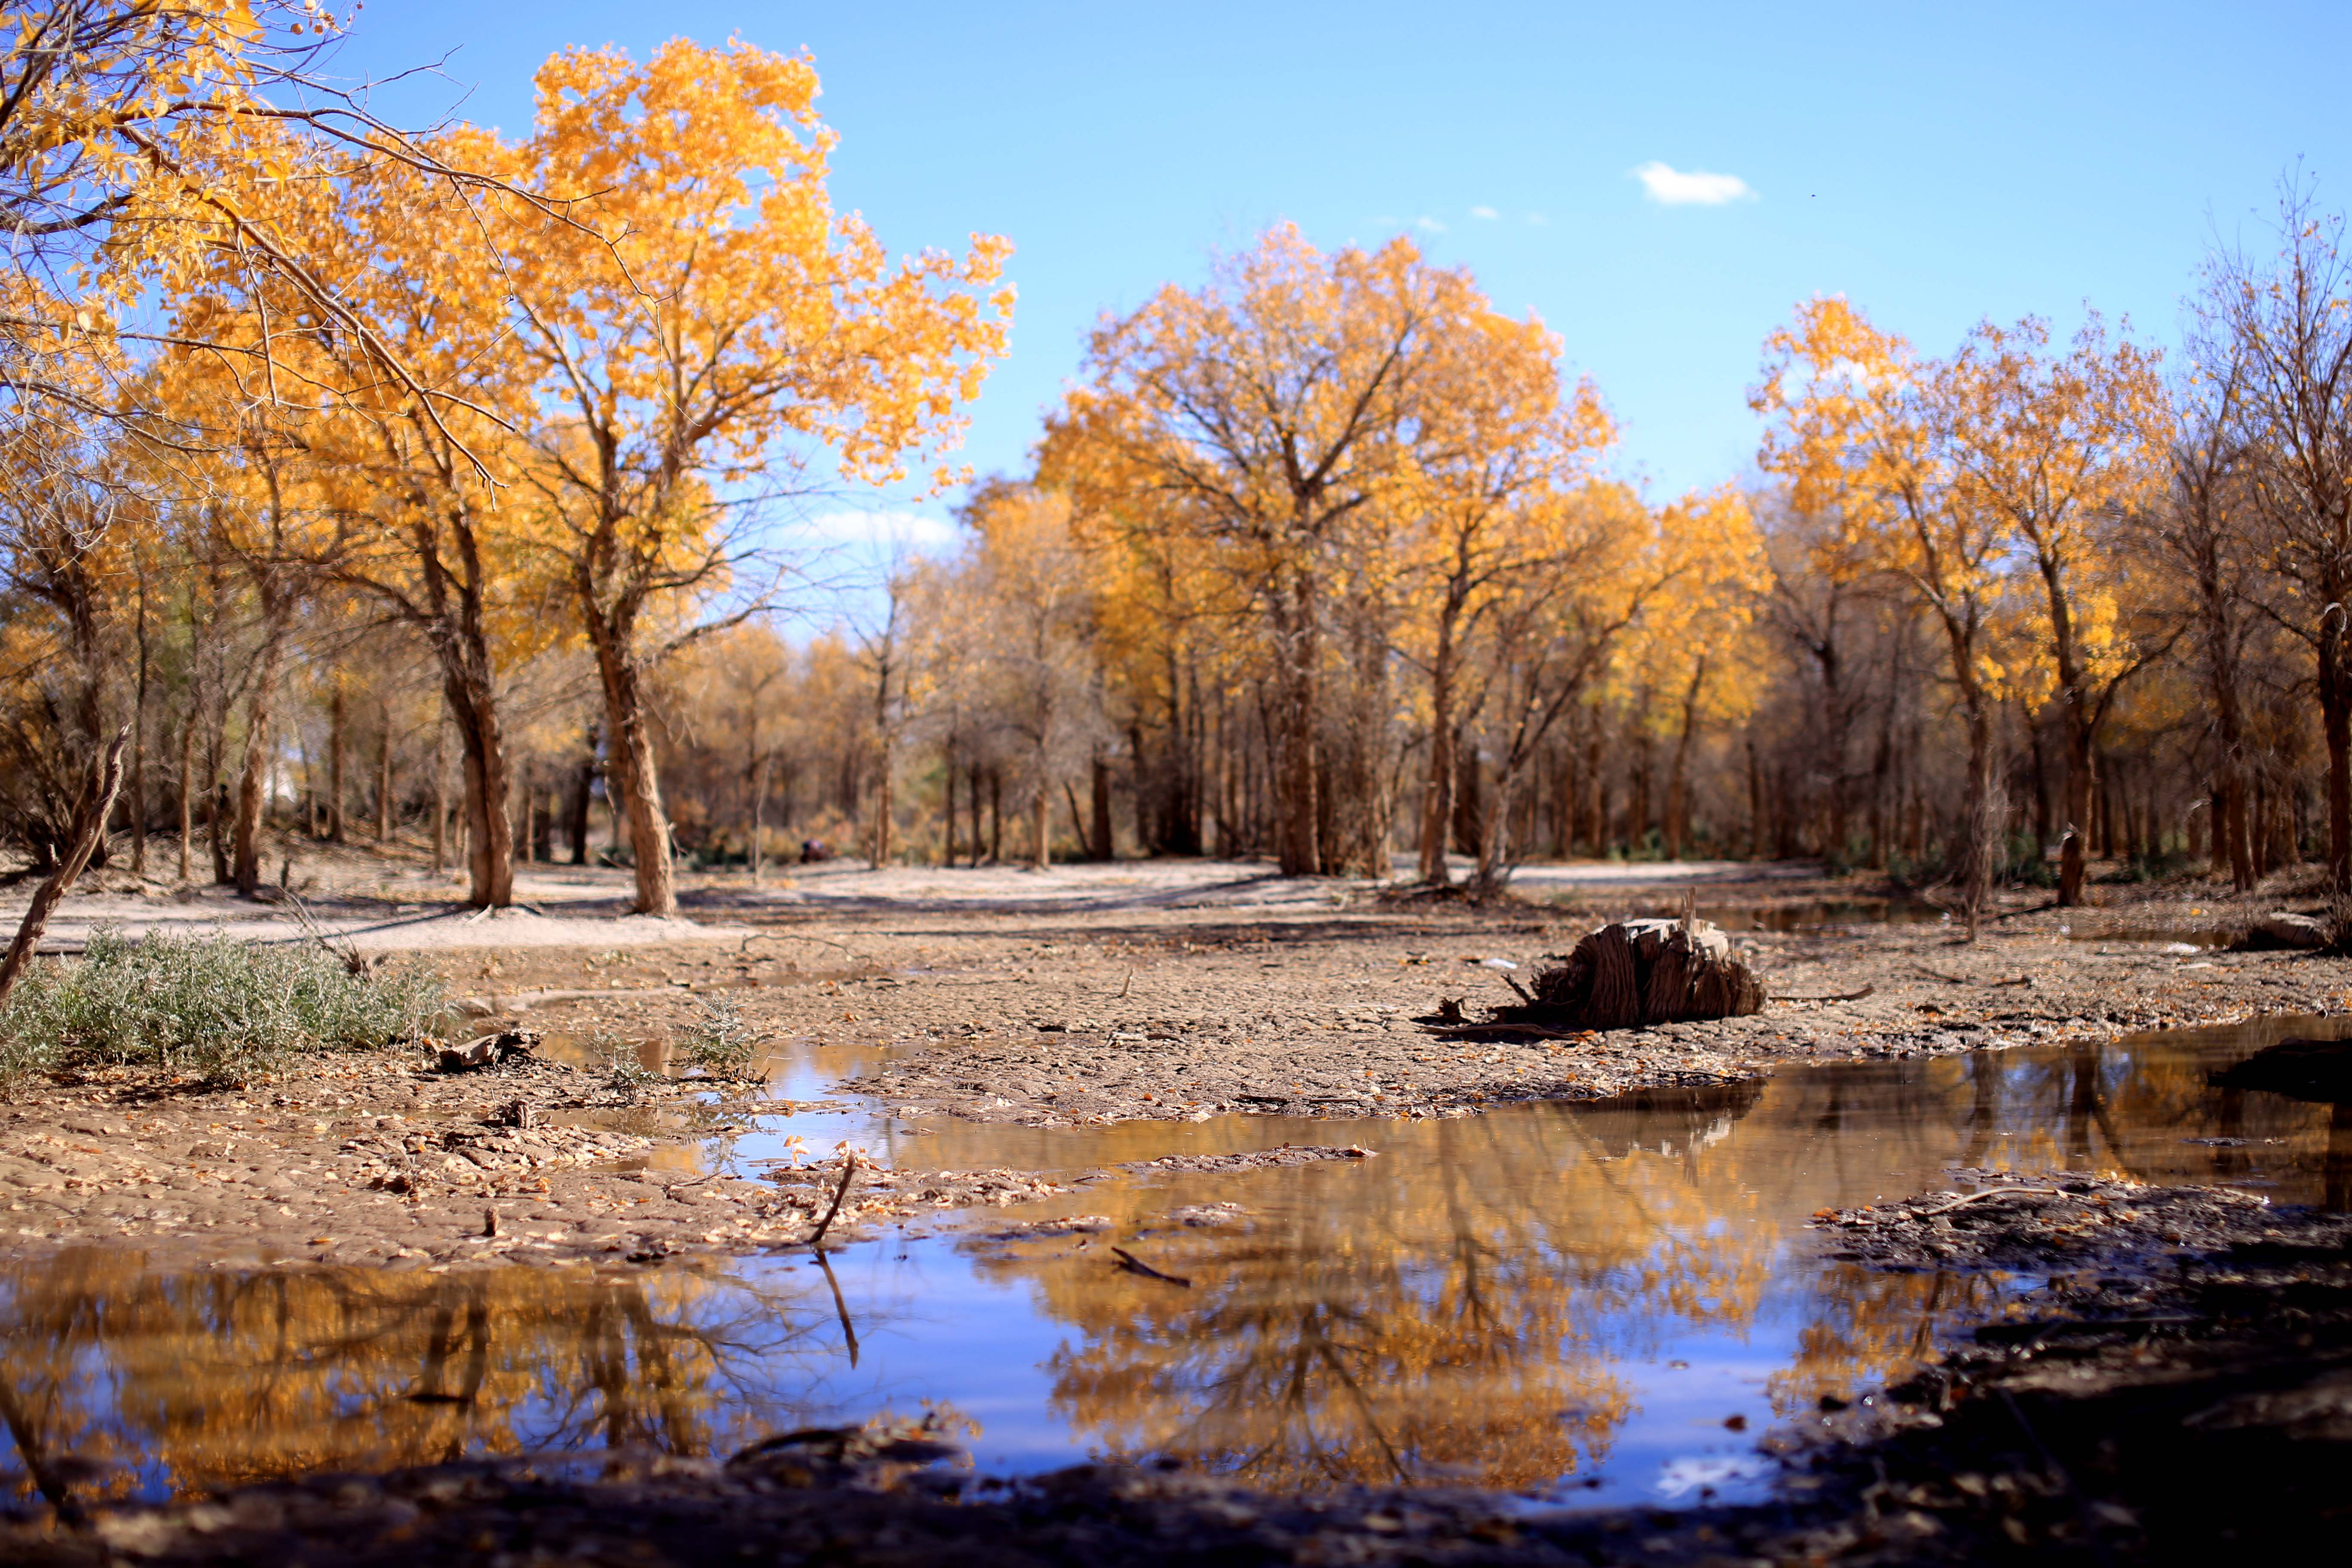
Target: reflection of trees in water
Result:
[2129, 1107]
[173, 1383]
[1462, 1307]
[1455, 1311]
[1865, 1322]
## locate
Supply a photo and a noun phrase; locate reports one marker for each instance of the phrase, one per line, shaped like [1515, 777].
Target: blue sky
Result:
[1937, 164]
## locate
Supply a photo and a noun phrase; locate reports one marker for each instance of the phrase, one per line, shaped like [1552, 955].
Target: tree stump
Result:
[1636, 973]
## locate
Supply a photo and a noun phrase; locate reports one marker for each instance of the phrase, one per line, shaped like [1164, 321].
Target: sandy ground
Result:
[375, 904]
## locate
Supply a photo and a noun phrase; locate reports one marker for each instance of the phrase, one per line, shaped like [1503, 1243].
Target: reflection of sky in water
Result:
[1545, 1298]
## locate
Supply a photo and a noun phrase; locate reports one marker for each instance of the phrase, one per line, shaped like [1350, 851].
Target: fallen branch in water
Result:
[1988, 1192]
[848, 1169]
[1840, 996]
[1134, 1265]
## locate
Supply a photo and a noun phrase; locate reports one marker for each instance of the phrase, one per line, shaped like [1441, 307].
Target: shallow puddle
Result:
[1606, 1303]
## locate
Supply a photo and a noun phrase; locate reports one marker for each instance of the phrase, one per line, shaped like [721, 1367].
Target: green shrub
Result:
[220, 1009]
[724, 1046]
[623, 1073]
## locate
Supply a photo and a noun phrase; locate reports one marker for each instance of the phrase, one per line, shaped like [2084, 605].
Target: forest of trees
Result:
[363, 485]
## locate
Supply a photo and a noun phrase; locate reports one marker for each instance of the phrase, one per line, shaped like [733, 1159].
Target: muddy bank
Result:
[1044, 1019]
[380, 1157]
[1047, 1015]
[2180, 1390]
[1318, 1019]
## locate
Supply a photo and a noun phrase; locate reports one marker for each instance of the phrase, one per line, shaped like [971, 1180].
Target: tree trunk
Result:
[1098, 807]
[2081, 782]
[635, 769]
[253, 779]
[138, 745]
[335, 750]
[1984, 813]
[523, 804]
[1040, 810]
[217, 816]
[482, 755]
[885, 809]
[948, 849]
[95, 803]
[1755, 803]
[1077, 818]
[2336, 725]
[187, 786]
[758, 808]
[1678, 777]
[1437, 794]
[583, 784]
[2231, 840]
[383, 775]
[1297, 809]
[1644, 767]
[973, 778]
[440, 794]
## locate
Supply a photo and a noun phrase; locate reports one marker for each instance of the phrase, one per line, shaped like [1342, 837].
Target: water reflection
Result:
[1501, 1300]
[1547, 1297]
[117, 1382]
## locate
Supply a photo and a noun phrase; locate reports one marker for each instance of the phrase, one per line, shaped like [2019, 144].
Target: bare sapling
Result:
[92, 808]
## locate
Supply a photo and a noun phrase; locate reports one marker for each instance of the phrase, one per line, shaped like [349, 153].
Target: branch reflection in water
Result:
[137, 1384]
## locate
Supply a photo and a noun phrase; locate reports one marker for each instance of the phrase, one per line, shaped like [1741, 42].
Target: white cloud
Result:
[881, 533]
[1429, 224]
[1538, 220]
[1489, 213]
[1674, 187]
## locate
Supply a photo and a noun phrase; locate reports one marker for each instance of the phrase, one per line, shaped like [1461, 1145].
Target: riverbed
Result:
[1607, 1303]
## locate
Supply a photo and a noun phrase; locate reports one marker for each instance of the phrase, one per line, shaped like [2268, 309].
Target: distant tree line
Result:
[369, 485]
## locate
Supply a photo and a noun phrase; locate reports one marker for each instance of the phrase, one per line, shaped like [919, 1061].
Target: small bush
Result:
[218, 1008]
[724, 1046]
[623, 1072]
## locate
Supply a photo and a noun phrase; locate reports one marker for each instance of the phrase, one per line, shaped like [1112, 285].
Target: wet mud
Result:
[381, 1158]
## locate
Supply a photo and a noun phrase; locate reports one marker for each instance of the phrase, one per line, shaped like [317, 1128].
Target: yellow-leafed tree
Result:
[699, 324]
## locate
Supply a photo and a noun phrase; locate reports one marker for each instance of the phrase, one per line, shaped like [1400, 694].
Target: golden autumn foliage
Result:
[690, 309]
[1321, 557]
[529, 400]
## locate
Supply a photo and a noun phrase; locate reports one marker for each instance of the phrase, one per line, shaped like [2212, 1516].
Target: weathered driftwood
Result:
[1636, 973]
